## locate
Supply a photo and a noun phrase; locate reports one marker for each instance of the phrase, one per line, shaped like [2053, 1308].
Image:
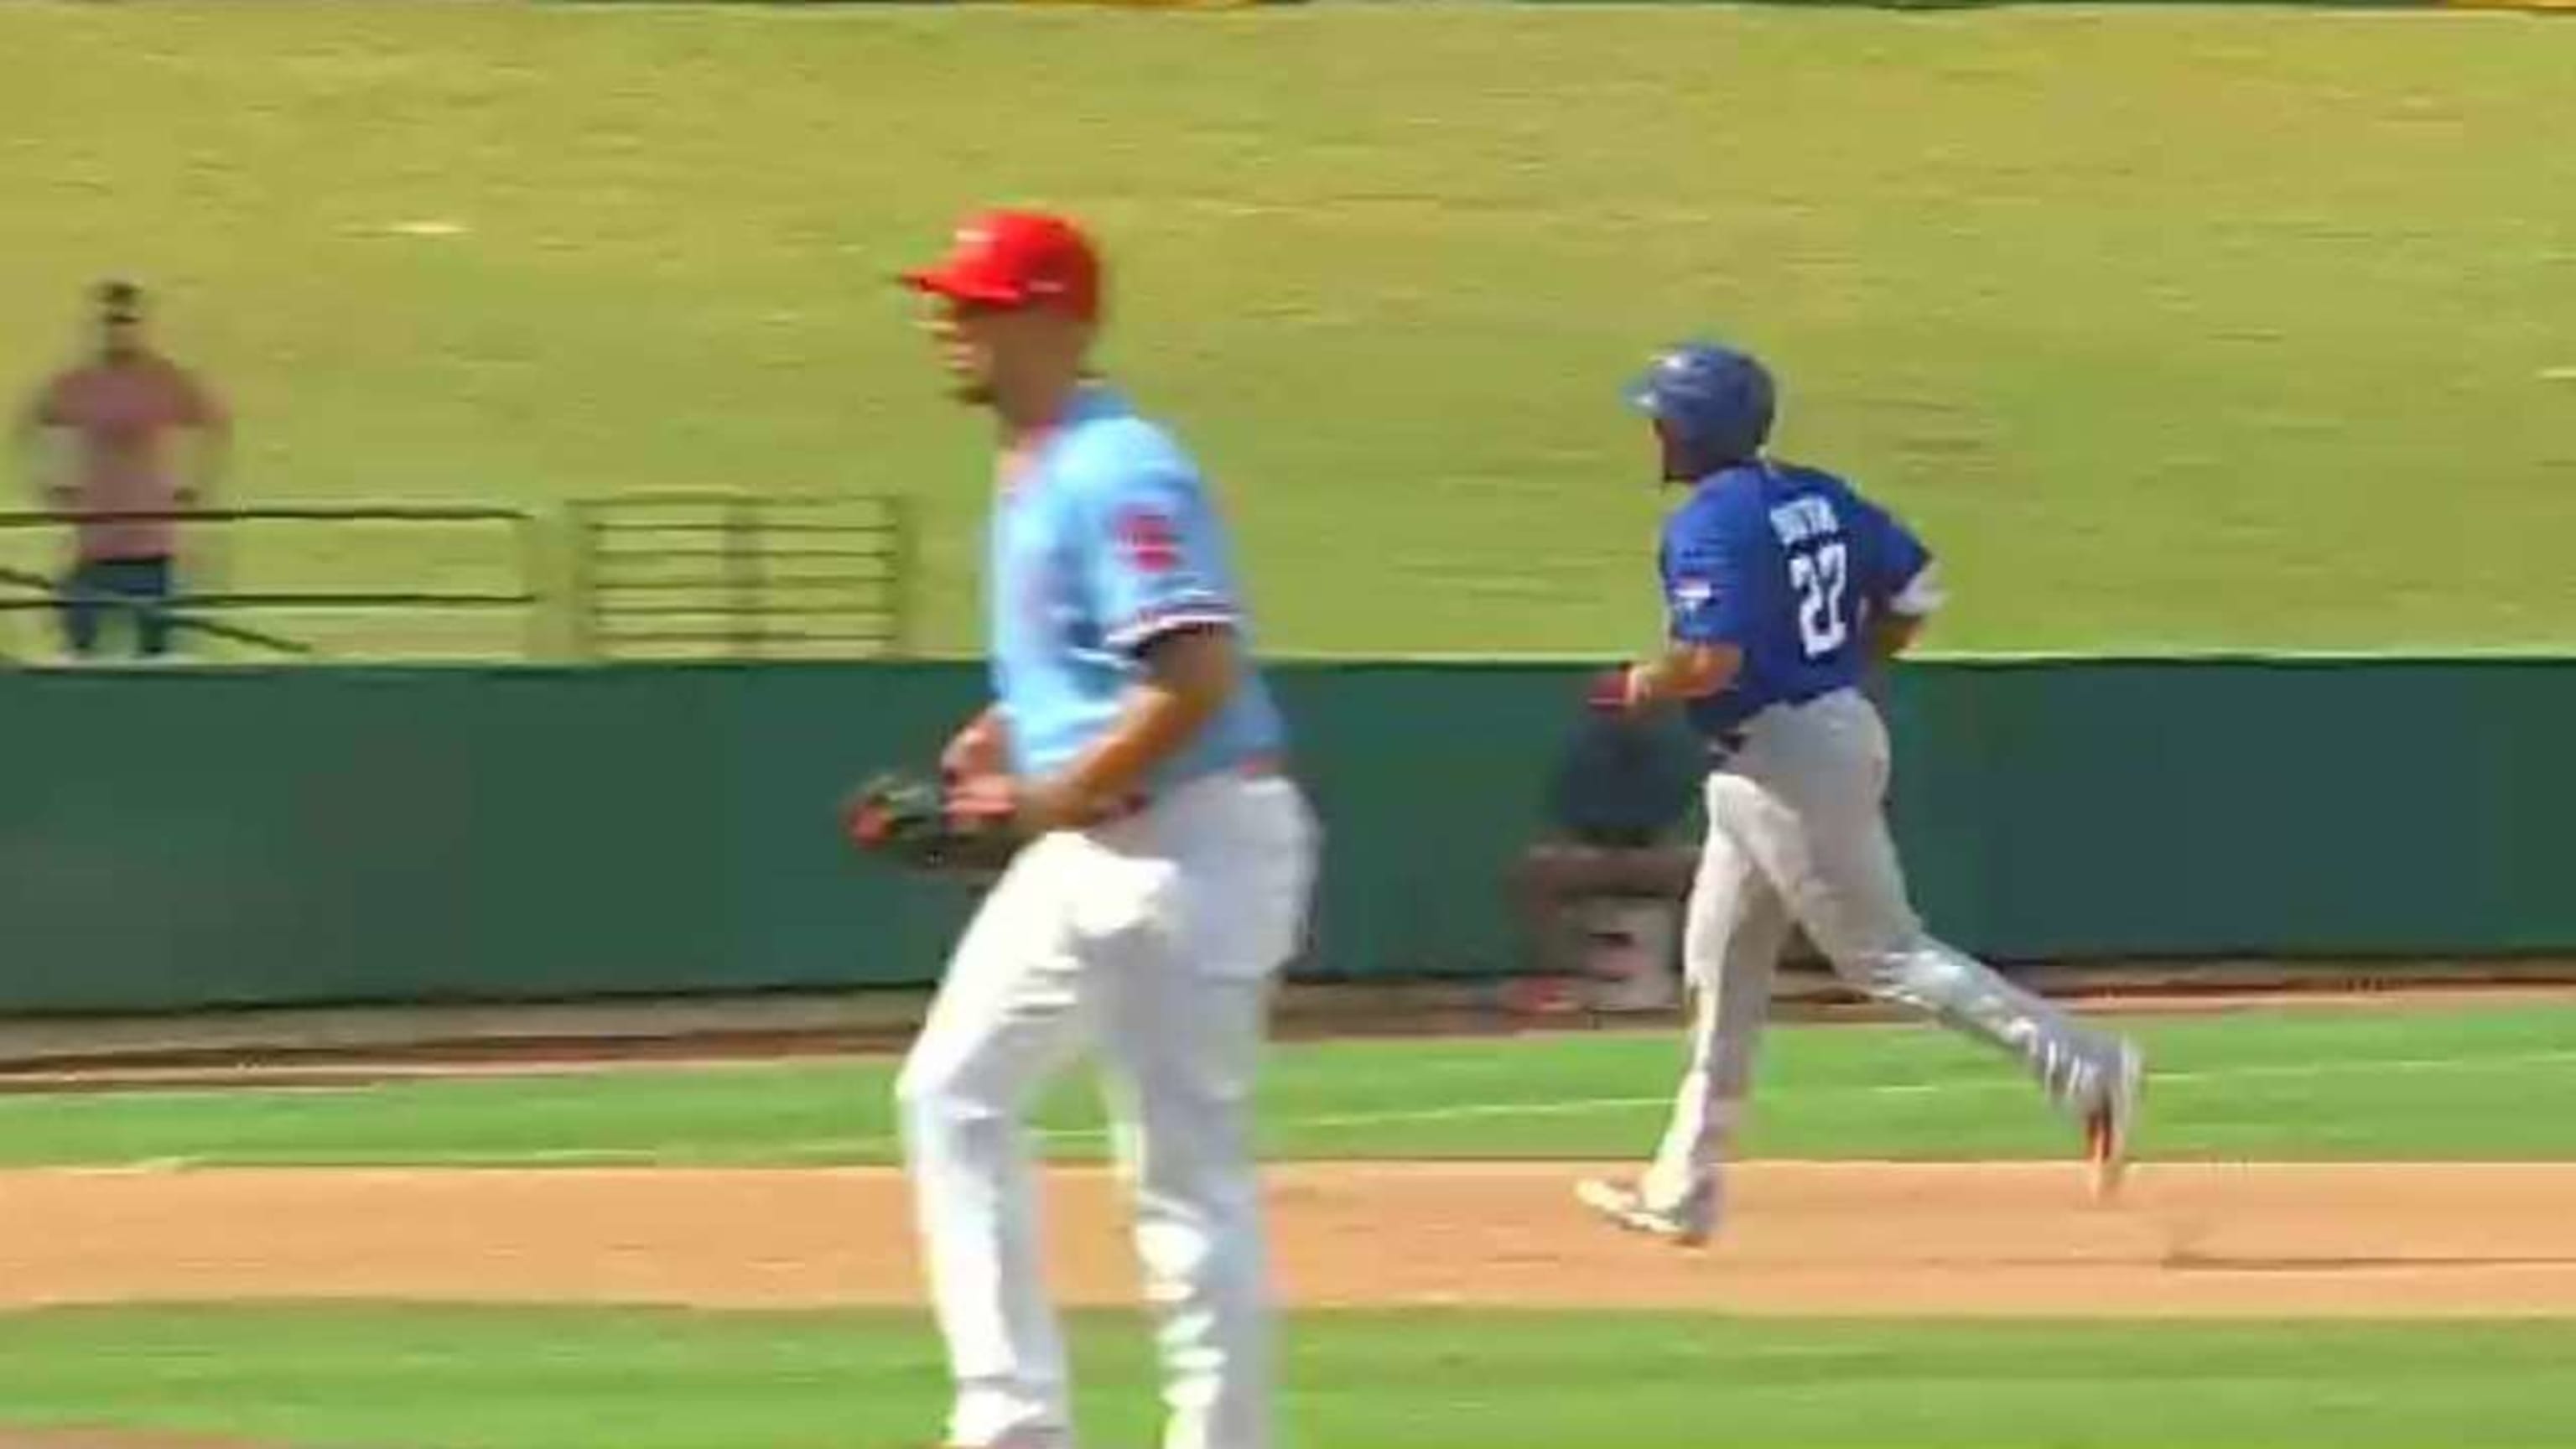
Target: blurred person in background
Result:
[1617, 803]
[103, 438]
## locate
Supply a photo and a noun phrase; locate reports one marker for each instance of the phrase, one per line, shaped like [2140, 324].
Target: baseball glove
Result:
[904, 818]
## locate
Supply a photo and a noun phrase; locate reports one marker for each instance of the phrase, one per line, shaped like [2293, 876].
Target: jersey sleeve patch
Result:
[1157, 565]
[1147, 538]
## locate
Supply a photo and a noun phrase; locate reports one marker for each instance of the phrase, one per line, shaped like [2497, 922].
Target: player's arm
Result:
[1892, 633]
[1189, 674]
[1907, 589]
[982, 746]
[1156, 588]
[1703, 650]
[1686, 670]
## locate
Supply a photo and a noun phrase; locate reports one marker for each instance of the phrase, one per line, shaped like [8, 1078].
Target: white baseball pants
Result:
[1152, 943]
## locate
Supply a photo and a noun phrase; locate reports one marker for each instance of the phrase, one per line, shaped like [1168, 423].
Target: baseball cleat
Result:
[1687, 1225]
[2109, 1125]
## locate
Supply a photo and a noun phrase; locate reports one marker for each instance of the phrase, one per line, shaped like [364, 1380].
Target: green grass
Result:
[2304, 1083]
[2490, 1083]
[445, 1379]
[2175, 328]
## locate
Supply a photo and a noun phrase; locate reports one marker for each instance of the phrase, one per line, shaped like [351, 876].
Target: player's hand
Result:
[974, 751]
[1607, 691]
[1613, 691]
[982, 799]
[1032, 807]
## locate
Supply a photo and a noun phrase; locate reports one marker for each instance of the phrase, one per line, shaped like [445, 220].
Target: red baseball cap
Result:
[1017, 259]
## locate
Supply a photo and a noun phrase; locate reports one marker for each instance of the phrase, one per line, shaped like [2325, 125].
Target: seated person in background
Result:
[1621, 790]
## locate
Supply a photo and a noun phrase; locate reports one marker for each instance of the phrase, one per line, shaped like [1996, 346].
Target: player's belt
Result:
[1730, 741]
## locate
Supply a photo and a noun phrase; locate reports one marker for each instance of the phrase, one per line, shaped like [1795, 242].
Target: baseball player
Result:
[1783, 586]
[1164, 883]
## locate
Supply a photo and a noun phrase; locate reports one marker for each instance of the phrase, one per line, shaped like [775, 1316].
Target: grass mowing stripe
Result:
[610, 1379]
[2159, 1082]
[2446, 1083]
[2061, 334]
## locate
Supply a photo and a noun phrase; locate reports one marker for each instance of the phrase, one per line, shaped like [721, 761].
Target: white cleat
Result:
[2111, 1123]
[1687, 1225]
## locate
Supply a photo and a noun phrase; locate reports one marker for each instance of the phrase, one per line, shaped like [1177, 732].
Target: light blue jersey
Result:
[1105, 542]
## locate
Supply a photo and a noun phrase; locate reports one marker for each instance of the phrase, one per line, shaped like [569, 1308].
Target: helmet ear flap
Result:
[1676, 458]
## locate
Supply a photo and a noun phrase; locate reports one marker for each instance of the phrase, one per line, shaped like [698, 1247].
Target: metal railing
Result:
[51, 595]
[739, 575]
[187, 612]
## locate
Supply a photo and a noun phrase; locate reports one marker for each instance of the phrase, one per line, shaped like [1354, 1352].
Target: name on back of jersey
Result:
[1809, 516]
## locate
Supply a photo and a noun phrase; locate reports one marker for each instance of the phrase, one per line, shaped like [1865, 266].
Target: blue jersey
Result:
[1103, 543]
[1789, 565]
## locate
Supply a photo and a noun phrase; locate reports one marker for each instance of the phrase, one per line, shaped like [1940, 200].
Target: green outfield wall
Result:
[181, 838]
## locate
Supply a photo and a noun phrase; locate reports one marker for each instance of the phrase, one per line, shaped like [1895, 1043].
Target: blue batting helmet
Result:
[1716, 400]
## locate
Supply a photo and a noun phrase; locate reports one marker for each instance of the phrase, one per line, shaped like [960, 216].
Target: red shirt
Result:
[122, 413]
